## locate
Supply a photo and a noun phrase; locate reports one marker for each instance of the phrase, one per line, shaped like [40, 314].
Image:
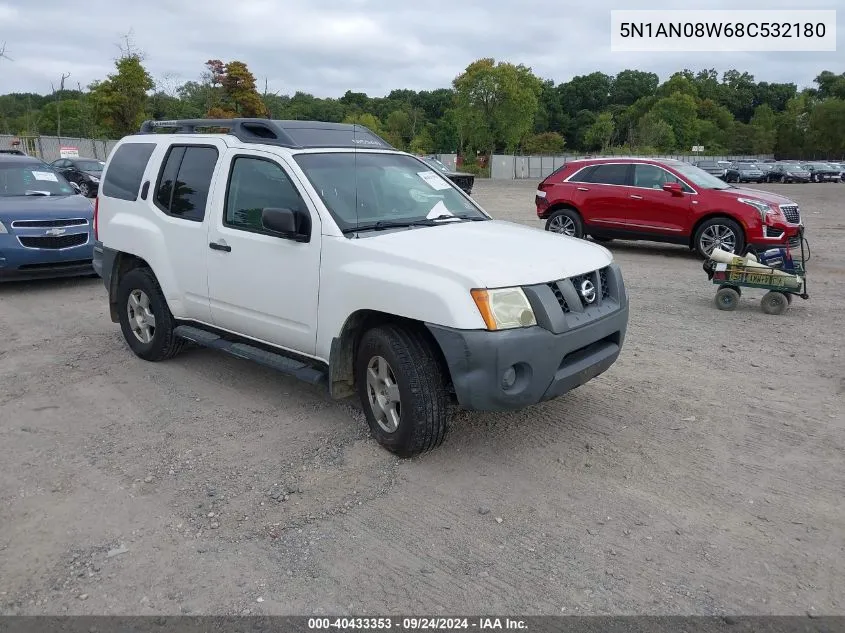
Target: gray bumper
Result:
[548, 363]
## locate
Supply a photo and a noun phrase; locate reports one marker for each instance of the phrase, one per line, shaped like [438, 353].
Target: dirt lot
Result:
[703, 474]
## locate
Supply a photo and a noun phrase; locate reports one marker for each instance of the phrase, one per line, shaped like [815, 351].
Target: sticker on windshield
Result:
[434, 181]
[45, 175]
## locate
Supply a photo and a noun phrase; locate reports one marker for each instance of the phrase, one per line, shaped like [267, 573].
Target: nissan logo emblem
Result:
[588, 291]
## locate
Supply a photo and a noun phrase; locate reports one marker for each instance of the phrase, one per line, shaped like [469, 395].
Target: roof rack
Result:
[292, 134]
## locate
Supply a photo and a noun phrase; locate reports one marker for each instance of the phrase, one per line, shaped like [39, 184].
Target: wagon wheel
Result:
[727, 298]
[774, 302]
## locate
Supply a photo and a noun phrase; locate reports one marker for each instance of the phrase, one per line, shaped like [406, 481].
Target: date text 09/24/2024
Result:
[416, 624]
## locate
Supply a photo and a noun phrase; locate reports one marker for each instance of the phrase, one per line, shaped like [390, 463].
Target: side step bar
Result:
[277, 361]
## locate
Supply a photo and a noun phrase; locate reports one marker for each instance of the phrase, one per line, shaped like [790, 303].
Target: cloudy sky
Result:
[326, 47]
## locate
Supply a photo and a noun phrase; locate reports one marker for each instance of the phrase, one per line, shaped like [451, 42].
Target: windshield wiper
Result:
[398, 224]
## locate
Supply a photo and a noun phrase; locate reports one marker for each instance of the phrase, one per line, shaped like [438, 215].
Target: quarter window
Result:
[616, 174]
[185, 180]
[256, 184]
[126, 170]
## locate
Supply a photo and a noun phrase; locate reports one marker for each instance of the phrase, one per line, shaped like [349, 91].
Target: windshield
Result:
[747, 166]
[708, 165]
[821, 166]
[89, 165]
[32, 180]
[700, 178]
[365, 190]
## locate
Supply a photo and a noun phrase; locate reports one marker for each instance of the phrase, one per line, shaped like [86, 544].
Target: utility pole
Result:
[59, 103]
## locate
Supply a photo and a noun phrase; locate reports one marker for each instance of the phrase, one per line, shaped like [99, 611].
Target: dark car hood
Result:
[95, 174]
[757, 194]
[45, 208]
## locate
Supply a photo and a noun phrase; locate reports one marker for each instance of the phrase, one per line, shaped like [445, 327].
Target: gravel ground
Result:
[701, 475]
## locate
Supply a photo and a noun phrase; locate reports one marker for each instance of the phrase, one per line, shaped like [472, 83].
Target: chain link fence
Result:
[48, 148]
[514, 167]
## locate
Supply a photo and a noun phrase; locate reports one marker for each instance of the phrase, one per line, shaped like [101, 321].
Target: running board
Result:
[277, 361]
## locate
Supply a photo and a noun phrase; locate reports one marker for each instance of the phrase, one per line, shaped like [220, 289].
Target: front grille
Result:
[576, 281]
[559, 296]
[605, 287]
[54, 242]
[36, 224]
[791, 212]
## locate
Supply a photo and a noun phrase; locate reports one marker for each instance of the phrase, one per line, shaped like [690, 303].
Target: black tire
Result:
[163, 344]
[603, 240]
[423, 406]
[566, 222]
[85, 189]
[736, 289]
[783, 180]
[718, 224]
[727, 298]
[774, 302]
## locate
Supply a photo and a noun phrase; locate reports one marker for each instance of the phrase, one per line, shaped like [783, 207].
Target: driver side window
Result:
[256, 184]
[653, 177]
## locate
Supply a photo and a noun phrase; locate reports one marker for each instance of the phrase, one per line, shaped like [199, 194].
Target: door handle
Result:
[583, 188]
[220, 246]
[636, 197]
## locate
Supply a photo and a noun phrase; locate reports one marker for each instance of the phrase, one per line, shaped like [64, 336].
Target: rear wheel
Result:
[722, 233]
[774, 302]
[566, 222]
[402, 388]
[145, 319]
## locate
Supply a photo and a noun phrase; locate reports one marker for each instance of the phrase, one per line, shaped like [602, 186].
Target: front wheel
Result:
[402, 388]
[566, 222]
[722, 233]
[727, 298]
[84, 189]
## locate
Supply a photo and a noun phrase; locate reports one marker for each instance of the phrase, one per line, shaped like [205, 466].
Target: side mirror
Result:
[294, 224]
[674, 188]
[75, 187]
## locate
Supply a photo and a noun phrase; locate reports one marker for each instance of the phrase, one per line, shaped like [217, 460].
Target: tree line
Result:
[490, 107]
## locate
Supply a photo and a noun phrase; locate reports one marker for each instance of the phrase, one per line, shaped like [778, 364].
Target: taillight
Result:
[96, 213]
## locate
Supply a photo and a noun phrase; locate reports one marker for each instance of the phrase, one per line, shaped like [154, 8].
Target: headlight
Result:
[763, 208]
[504, 308]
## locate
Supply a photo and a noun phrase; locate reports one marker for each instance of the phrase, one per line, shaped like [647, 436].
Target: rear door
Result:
[603, 191]
[654, 210]
[179, 195]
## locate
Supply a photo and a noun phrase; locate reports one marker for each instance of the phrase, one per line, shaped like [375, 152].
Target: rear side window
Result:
[184, 181]
[608, 175]
[126, 170]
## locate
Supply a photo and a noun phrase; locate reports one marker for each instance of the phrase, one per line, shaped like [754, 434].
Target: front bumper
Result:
[20, 263]
[547, 363]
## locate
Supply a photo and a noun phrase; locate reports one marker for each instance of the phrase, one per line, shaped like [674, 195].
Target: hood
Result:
[493, 252]
[757, 194]
[45, 208]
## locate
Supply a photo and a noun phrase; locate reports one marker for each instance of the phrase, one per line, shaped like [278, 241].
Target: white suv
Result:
[320, 250]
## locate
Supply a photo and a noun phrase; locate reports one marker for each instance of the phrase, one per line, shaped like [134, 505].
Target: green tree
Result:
[238, 96]
[763, 130]
[545, 143]
[121, 99]
[600, 134]
[496, 103]
[366, 120]
[827, 128]
[655, 132]
[630, 85]
[679, 111]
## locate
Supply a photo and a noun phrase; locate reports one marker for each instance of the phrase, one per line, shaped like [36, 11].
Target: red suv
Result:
[663, 201]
